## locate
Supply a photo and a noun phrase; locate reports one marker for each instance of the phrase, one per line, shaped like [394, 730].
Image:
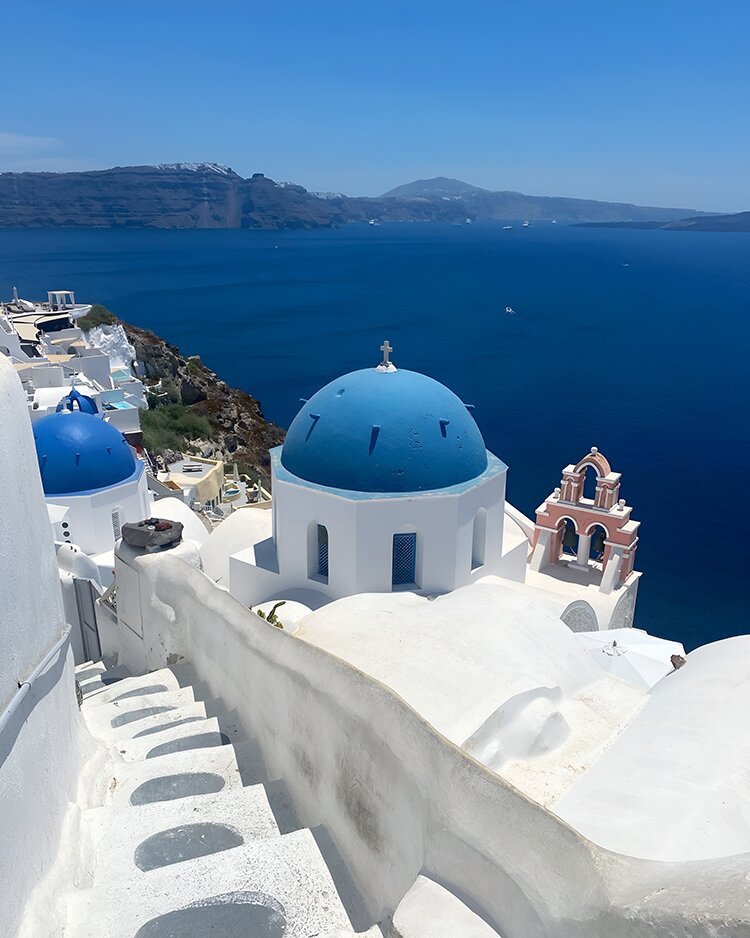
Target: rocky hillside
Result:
[210, 417]
[207, 195]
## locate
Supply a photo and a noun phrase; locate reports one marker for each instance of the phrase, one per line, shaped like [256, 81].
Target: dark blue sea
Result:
[637, 342]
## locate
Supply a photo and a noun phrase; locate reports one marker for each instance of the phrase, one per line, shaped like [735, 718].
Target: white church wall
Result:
[398, 799]
[40, 744]
[89, 519]
[360, 539]
[297, 508]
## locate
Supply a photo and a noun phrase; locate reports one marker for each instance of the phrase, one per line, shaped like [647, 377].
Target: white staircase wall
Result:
[396, 798]
[40, 745]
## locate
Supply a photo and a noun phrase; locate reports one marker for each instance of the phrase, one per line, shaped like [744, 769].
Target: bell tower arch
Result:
[607, 536]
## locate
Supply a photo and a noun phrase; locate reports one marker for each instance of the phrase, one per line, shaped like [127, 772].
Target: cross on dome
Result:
[386, 365]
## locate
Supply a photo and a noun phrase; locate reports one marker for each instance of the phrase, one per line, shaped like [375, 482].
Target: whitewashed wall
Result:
[398, 799]
[360, 540]
[89, 517]
[40, 746]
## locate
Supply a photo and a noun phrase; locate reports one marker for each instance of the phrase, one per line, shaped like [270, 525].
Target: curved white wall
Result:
[397, 798]
[678, 773]
[39, 747]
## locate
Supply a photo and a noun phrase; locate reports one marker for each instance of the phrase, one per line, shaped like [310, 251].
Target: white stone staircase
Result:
[172, 843]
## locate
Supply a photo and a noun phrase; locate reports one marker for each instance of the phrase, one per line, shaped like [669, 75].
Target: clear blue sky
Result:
[640, 100]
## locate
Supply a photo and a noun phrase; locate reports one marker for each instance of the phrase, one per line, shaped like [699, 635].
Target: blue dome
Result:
[384, 431]
[77, 401]
[78, 452]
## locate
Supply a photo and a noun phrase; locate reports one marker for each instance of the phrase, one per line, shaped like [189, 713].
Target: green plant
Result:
[171, 427]
[168, 393]
[98, 316]
[272, 618]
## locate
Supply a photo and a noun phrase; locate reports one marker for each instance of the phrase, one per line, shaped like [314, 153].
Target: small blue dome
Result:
[384, 431]
[78, 452]
[77, 401]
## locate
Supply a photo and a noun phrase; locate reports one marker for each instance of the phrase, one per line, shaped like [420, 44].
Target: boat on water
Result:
[374, 221]
[507, 227]
[510, 311]
[526, 223]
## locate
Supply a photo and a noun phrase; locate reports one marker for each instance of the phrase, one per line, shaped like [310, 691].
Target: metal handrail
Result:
[25, 686]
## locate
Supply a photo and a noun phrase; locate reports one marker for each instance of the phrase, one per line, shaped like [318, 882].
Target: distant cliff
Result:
[207, 195]
[739, 222]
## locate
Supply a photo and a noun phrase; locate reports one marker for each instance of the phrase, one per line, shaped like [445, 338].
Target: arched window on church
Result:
[323, 551]
[317, 552]
[479, 539]
[404, 563]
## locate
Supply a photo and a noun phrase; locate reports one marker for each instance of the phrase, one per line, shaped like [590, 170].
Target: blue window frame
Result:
[322, 550]
[404, 570]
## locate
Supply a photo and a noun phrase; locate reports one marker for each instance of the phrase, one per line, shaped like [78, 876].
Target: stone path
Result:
[172, 843]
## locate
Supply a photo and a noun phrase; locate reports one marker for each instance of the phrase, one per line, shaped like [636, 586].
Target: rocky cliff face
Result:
[179, 196]
[239, 431]
[206, 195]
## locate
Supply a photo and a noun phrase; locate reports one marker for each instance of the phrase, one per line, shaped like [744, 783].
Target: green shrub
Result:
[169, 393]
[99, 316]
[172, 426]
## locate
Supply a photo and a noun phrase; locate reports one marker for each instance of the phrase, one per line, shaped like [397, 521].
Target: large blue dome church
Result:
[383, 483]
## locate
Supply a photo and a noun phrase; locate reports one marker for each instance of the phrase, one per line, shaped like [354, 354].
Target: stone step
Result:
[105, 680]
[197, 771]
[152, 683]
[276, 887]
[153, 725]
[116, 839]
[101, 720]
[89, 670]
[183, 737]
[91, 687]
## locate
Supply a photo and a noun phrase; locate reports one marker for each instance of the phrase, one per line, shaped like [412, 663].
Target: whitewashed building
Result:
[383, 483]
[467, 764]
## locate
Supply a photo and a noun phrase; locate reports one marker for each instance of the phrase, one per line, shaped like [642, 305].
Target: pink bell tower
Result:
[593, 533]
